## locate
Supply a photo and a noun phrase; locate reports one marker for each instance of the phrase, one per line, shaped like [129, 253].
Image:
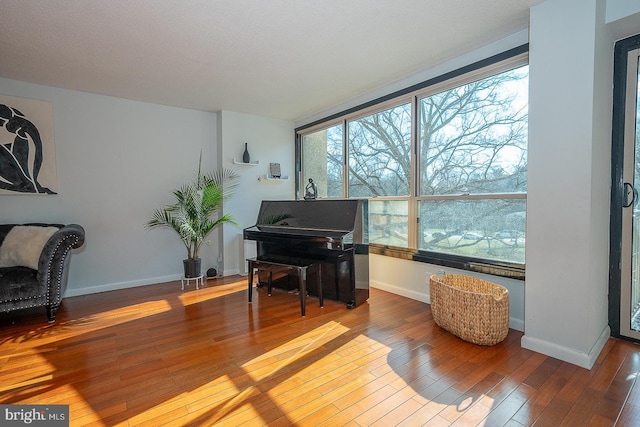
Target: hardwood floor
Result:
[157, 355]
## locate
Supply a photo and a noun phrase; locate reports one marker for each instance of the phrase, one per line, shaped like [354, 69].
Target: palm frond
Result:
[197, 207]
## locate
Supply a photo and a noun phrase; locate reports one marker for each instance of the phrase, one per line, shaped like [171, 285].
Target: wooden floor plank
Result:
[157, 355]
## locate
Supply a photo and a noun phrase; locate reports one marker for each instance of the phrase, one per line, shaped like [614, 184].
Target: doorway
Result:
[624, 286]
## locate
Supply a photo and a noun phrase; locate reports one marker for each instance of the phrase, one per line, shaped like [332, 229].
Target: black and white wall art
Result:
[27, 152]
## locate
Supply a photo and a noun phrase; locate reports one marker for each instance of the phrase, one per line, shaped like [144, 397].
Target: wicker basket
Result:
[474, 310]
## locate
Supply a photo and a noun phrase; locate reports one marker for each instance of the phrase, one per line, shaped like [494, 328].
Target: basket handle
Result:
[499, 292]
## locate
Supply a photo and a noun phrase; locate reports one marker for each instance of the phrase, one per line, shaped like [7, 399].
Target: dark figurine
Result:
[311, 191]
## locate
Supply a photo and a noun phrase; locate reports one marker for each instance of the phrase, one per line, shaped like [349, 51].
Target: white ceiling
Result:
[285, 59]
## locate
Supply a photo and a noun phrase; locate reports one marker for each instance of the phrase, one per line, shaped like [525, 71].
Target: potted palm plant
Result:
[196, 213]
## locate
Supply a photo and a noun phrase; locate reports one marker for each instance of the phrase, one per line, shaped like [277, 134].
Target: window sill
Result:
[495, 268]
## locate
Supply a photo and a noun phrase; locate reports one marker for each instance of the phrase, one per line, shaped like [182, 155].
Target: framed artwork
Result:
[27, 151]
[274, 170]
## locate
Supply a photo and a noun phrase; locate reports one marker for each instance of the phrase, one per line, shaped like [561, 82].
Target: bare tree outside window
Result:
[471, 168]
[473, 142]
[473, 138]
[380, 153]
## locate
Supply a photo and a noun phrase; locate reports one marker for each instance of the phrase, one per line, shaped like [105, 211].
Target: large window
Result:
[444, 165]
[473, 146]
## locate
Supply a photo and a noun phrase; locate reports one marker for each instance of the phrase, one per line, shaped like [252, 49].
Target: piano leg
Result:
[250, 279]
[352, 280]
[320, 296]
[336, 274]
[302, 272]
[303, 291]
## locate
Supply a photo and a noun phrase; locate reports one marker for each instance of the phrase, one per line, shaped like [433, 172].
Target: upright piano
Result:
[329, 234]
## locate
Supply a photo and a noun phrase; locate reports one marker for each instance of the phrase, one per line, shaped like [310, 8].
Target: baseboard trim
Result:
[232, 272]
[419, 296]
[120, 285]
[582, 359]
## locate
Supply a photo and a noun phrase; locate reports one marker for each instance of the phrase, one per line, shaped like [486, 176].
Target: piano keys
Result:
[330, 233]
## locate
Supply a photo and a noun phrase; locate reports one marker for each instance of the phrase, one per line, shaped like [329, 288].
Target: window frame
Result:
[511, 59]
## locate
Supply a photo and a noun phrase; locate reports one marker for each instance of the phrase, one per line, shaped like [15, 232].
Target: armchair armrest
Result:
[52, 265]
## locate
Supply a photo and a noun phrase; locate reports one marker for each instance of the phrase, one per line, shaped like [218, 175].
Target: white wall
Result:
[117, 160]
[623, 18]
[622, 10]
[570, 105]
[269, 141]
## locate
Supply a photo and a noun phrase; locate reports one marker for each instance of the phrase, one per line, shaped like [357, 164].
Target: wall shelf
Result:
[270, 178]
[239, 162]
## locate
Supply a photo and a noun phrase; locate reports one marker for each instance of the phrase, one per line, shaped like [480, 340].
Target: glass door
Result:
[630, 268]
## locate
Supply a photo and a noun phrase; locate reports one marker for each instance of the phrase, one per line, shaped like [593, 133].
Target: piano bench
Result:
[301, 270]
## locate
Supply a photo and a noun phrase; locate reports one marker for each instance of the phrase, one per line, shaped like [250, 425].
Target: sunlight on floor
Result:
[260, 369]
[30, 384]
[64, 329]
[293, 350]
[235, 404]
[127, 314]
[272, 381]
[196, 296]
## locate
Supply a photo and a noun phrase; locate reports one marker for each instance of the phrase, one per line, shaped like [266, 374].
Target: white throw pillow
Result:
[23, 245]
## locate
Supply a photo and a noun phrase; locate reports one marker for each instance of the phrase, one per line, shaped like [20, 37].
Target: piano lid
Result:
[339, 215]
[327, 220]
